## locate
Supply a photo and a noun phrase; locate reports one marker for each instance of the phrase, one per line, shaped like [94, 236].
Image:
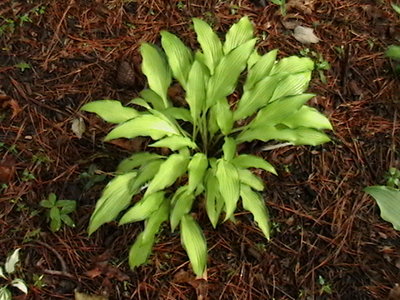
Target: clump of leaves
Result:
[203, 135]
[59, 211]
[388, 197]
[7, 274]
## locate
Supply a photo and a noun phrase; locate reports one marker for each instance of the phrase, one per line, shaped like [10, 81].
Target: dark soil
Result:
[329, 241]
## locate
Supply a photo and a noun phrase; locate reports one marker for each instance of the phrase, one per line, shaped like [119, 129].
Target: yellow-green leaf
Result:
[143, 209]
[143, 125]
[140, 251]
[174, 143]
[157, 71]
[256, 98]
[248, 178]
[182, 205]
[293, 64]
[196, 89]
[229, 148]
[197, 169]
[171, 169]
[179, 56]
[238, 34]
[136, 160]
[280, 110]
[195, 244]
[223, 82]
[116, 197]
[214, 200]
[250, 161]
[209, 42]
[228, 181]
[260, 69]
[111, 110]
[253, 202]
[308, 117]
[293, 84]
[224, 116]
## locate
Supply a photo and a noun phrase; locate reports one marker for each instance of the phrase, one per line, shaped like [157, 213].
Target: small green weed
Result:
[321, 65]
[59, 211]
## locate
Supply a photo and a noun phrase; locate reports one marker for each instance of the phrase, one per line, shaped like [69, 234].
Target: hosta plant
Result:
[230, 95]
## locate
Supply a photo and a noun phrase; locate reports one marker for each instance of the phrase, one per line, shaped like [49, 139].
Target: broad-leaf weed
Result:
[203, 135]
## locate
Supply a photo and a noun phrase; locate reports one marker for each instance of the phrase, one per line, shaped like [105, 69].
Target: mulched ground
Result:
[329, 241]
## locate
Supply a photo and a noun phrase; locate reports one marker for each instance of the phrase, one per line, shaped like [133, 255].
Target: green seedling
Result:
[282, 4]
[203, 135]
[22, 66]
[91, 177]
[325, 286]
[7, 272]
[321, 65]
[59, 211]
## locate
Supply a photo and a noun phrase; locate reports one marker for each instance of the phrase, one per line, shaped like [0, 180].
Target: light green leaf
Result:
[170, 170]
[293, 84]
[388, 200]
[252, 100]
[229, 148]
[393, 52]
[179, 113]
[116, 197]
[11, 261]
[67, 220]
[174, 143]
[111, 110]
[156, 219]
[223, 82]
[293, 64]
[195, 244]
[214, 200]
[248, 178]
[143, 209]
[156, 70]
[179, 56]
[213, 115]
[260, 69]
[280, 110]
[66, 206]
[136, 160]
[153, 98]
[20, 284]
[308, 117]
[209, 42]
[46, 204]
[238, 34]
[245, 161]
[224, 116]
[196, 169]
[140, 251]
[196, 89]
[5, 294]
[52, 198]
[297, 136]
[253, 202]
[228, 180]
[182, 206]
[143, 125]
[54, 213]
[55, 224]
[2, 275]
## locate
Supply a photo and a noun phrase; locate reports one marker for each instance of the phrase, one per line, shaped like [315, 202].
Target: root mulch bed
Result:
[328, 241]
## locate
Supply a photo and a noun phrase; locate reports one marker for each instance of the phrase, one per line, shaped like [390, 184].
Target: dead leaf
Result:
[78, 127]
[304, 6]
[7, 169]
[83, 296]
[132, 145]
[394, 293]
[305, 35]
[125, 75]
